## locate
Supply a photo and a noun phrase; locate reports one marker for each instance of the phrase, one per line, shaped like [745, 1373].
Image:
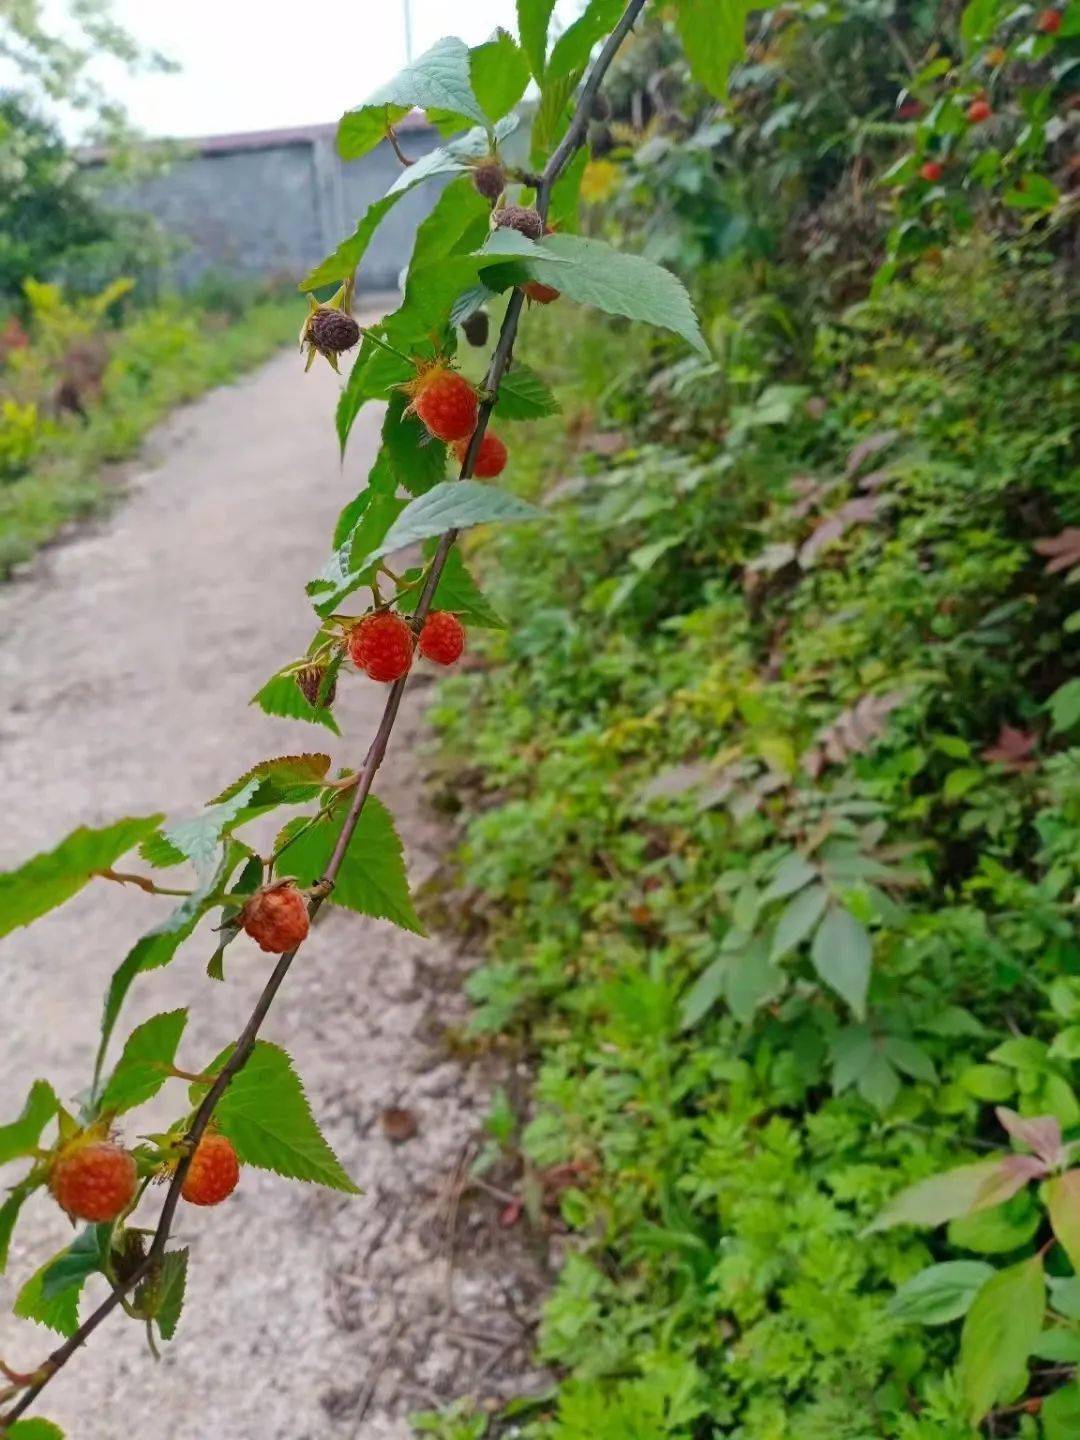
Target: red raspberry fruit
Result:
[978, 111]
[490, 458]
[276, 918]
[932, 172]
[540, 294]
[213, 1172]
[445, 402]
[93, 1180]
[1049, 22]
[382, 646]
[442, 638]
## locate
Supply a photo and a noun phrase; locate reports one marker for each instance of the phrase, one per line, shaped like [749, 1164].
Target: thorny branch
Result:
[245, 1044]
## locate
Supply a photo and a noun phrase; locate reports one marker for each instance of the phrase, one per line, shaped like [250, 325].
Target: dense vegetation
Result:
[774, 811]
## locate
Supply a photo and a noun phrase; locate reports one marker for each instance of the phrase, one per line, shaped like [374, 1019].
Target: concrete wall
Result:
[274, 204]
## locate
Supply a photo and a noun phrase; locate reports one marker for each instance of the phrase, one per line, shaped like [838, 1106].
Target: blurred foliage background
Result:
[769, 795]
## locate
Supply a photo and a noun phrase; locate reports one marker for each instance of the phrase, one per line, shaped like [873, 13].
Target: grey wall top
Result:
[273, 203]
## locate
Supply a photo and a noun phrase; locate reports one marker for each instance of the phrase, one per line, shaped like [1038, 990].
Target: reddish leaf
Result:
[1063, 549]
[1040, 1133]
[872, 445]
[853, 732]
[1012, 748]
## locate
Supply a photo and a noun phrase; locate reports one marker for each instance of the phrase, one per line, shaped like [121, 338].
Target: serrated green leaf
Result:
[524, 396]
[841, 954]
[714, 37]
[143, 1065]
[372, 879]
[456, 591]
[9, 1214]
[616, 283]
[21, 1136]
[534, 17]
[266, 1115]
[70, 1269]
[418, 462]
[199, 839]
[160, 1297]
[54, 876]
[284, 777]
[977, 23]
[571, 51]
[499, 72]
[451, 505]
[940, 1293]
[60, 1314]
[438, 79]
[1001, 1328]
[282, 696]
[361, 130]
[797, 919]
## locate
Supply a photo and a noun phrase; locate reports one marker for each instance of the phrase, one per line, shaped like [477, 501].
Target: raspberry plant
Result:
[496, 230]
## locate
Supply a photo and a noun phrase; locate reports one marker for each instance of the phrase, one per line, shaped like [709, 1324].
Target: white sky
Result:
[261, 64]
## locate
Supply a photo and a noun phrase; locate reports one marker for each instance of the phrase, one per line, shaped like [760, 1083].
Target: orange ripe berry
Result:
[213, 1173]
[442, 638]
[540, 294]
[382, 646]
[276, 918]
[1049, 22]
[490, 458]
[978, 111]
[445, 402]
[932, 172]
[93, 1180]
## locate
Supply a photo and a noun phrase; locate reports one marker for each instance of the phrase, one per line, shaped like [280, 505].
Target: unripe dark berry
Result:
[521, 218]
[332, 331]
[489, 179]
[476, 327]
[601, 140]
[310, 680]
[381, 645]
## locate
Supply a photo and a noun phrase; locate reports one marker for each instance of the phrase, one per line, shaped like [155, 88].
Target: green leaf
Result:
[282, 696]
[372, 879]
[940, 1197]
[199, 839]
[338, 578]
[143, 1066]
[9, 1214]
[499, 72]
[61, 1313]
[799, 917]
[451, 505]
[1002, 1326]
[533, 17]
[23, 1134]
[1060, 1414]
[617, 283]
[998, 1229]
[977, 23]
[1033, 192]
[456, 591]
[841, 953]
[49, 879]
[284, 779]
[552, 114]
[438, 79]
[70, 1269]
[571, 51]
[373, 374]
[524, 396]
[1064, 707]
[160, 1297]
[418, 462]
[34, 1430]
[1063, 1202]
[713, 33]
[1059, 1346]
[793, 872]
[941, 1293]
[266, 1115]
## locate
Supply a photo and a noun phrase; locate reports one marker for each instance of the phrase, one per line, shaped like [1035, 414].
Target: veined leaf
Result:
[798, 918]
[456, 591]
[439, 79]
[160, 1297]
[617, 283]
[714, 37]
[142, 1068]
[49, 879]
[499, 72]
[372, 879]
[70, 1269]
[1001, 1329]
[524, 396]
[23, 1134]
[361, 130]
[961, 1191]
[9, 1214]
[571, 51]
[841, 954]
[266, 1115]
[940, 1293]
[284, 778]
[451, 505]
[533, 17]
[282, 696]
[198, 839]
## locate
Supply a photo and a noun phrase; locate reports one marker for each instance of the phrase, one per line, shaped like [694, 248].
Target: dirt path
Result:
[126, 664]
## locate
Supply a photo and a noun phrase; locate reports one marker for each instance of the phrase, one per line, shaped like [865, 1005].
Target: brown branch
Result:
[125, 877]
[391, 135]
[245, 1044]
